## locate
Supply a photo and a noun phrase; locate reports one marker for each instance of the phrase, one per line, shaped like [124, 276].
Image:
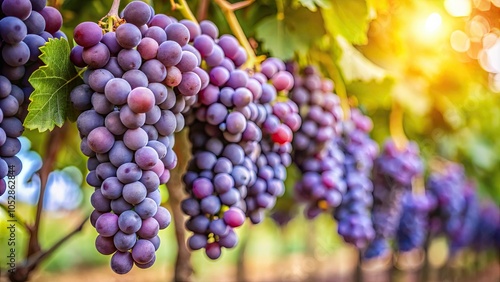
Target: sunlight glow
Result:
[459, 40]
[430, 28]
[458, 8]
[433, 22]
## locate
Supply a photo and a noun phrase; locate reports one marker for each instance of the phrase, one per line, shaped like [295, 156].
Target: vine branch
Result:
[183, 267]
[228, 11]
[338, 80]
[202, 9]
[341, 91]
[22, 271]
[396, 125]
[53, 147]
[184, 9]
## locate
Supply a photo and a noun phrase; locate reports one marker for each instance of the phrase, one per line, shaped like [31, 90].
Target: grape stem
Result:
[281, 10]
[113, 12]
[396, 125]
[338, 80]
[228, 10]
[341, 91]
[240, 262]
[183, 267]
[183, 7]
[418, 185]
[112, 19]
[202, 9]
[56, 139]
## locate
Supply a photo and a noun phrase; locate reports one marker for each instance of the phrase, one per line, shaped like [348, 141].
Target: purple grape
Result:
[87, 34]
[17, 8]
[122, 262]
[53, 19]
[169, 53]
[128, 35]
[35, 23]
[105, 245]
[111, 188]
[129, 222]
[96, 56]
[149, 228]
[137, 13]
[107, 224]
[178, 32]
[143, 251]
[12, 30]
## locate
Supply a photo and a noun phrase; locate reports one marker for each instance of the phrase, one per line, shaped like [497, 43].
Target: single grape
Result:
[53, 19]
[107, 224]
[128, 35]
[122, 262]
[87, 34]
[137, 13]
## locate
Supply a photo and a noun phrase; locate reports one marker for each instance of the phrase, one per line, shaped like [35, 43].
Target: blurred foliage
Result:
[381, 50]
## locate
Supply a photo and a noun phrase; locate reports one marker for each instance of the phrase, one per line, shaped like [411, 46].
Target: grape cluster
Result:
[138, 85]
[413, 225]
[457, 208]
[354, 213]
[224, 144]
[278, 118]
[25, 26]
[393, 172]
[469, 218]
[487, 233]
[315, 144]
[447, 186]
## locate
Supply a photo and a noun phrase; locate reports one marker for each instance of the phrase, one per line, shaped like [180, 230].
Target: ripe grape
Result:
[87, 34]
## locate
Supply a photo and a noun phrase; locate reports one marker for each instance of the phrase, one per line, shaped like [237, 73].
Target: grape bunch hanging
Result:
[138, 85]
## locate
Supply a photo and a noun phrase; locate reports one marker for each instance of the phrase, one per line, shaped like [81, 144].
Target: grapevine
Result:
[219, 117]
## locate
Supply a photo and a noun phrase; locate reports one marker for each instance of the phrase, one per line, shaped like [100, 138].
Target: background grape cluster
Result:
[353, 214]
[315, 145]
[233, 131]
[393, 172]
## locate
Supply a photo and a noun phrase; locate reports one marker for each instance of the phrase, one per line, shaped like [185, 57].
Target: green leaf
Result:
[295, 33]
[349, 19]
[378, 5]
[355, 66]
[313, 5]
[50, 105]
[372, 94]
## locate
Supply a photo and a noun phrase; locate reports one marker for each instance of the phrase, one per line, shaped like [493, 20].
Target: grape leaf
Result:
[295, 33]
[355, 66]
[52, 83]
[349, 19]
[378, 5]
[313, 4]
